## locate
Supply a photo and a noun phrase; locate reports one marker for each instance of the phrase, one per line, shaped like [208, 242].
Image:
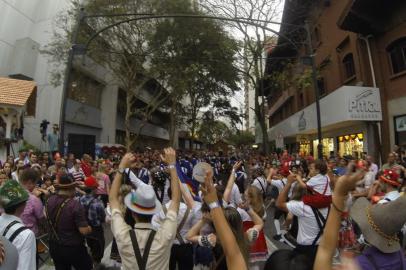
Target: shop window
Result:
[349, 67]
[85, 90]
[322, 86]
[301, 100]
[400, 130]
[351, 145]
[397, 55]
[328, 147]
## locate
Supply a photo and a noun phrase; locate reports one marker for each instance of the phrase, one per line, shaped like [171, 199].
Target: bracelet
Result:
[214, 205]
[172, 166]
[336, 208]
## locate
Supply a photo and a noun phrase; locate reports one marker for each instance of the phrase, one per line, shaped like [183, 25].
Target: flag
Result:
[191, 183]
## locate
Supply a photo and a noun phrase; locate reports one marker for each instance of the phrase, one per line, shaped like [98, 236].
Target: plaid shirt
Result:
[95, 210]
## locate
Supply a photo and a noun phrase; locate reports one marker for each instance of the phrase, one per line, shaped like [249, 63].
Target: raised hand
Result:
[208, 189]
[169, 156]
[127, 161]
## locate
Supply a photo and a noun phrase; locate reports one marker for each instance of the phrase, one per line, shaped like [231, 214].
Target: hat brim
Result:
[359, 215]
[66, 186]
[142, 211]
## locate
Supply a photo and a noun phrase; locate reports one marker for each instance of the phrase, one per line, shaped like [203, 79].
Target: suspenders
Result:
[142, 259]
[16, 232]
[53, 221]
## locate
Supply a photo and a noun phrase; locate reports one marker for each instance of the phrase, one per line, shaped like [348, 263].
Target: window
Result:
[397, 55]
[349, 68]
[322, 86]
[85, 90]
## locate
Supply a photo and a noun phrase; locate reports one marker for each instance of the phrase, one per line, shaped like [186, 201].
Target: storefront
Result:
[346, 115]
[351, 144]
[328, 146]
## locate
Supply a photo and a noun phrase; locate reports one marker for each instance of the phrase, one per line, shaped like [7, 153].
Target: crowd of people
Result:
[202, 210]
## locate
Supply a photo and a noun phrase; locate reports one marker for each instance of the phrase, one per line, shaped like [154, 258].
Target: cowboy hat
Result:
[143, 201]
[380, 223]
[65, 181]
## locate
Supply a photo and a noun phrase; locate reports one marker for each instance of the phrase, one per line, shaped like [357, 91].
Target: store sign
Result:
[365, 105]
[400, 123]
[302, 122]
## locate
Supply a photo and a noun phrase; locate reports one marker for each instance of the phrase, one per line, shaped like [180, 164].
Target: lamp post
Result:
[316, 90]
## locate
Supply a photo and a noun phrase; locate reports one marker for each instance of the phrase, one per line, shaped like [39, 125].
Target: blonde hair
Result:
[256, 200]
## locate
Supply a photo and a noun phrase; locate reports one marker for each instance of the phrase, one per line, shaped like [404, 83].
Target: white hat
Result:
[200, 170]
[143, 201]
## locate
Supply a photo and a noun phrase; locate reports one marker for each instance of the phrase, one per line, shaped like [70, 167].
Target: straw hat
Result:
[380, 223]
[65, 181]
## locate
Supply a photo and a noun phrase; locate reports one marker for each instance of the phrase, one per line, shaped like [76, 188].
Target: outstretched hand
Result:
[127, 161]
[208, 189]
[347, 183]
[237, 165]
[169, 156]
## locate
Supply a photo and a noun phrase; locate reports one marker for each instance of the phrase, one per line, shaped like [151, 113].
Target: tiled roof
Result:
[15, 92]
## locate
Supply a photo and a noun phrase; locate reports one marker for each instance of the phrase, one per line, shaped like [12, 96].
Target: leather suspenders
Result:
[53, 222]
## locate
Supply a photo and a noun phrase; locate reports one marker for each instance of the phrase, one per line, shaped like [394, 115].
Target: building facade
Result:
[93, 109]
[361, 97]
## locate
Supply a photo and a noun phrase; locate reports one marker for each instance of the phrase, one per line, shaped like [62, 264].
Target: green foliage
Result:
[241, 139]
[211, 131]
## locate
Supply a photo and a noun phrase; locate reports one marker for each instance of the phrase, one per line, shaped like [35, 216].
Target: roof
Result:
[15, 92]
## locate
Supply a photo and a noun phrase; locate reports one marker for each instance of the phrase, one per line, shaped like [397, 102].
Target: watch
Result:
[171, 166]
[121, 170]
[214, 205]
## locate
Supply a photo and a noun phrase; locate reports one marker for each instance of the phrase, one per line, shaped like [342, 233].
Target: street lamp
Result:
[81, 49]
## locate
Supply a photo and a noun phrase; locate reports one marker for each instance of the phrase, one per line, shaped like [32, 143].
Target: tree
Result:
[196, 61]
[241, 139]
[255, 41]
[213, 131]
[123, 50]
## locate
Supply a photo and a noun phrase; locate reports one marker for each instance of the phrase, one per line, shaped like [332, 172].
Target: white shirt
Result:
[193, 217]
[235, 196]
[260, 183]
[390, 197]
[25, 242]
[374, 168]
[279, 184]
[161, 245]
[14, 176]
[318, 183]
[308, 228]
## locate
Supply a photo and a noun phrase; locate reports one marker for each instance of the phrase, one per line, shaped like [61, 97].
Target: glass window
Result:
[349, 68]
[397, 54]
[85, 90]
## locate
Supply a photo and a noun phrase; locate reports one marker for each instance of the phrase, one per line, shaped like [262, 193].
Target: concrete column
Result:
[109, 113]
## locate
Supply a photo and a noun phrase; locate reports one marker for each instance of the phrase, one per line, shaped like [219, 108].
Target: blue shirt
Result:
[384, 261]
[95, 210]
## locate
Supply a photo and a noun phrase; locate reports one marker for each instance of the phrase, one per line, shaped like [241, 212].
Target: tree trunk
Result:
[172, 126]
[127, 122]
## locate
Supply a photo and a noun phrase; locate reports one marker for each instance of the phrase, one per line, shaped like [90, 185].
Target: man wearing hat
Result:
[96, 216]
[389, 184]
[13, 199]
[143, 247]
[67, 225]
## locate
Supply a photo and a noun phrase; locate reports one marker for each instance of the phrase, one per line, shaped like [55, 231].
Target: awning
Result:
[15, 92]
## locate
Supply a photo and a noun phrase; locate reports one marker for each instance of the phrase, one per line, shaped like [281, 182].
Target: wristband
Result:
[172, 166]
[214, 205]
[204, 241]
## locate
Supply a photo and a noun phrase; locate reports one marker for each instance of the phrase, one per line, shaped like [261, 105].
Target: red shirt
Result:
[87, 169]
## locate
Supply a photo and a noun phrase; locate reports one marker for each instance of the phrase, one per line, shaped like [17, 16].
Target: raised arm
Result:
[126, 162]
[194, 233]
[329, 240]
[232, 252]
[283, 197]
[230, 183]
[169, 158]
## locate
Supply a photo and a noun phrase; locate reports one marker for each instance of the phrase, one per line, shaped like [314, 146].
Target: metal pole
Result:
[316, 90]
[66, 81]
